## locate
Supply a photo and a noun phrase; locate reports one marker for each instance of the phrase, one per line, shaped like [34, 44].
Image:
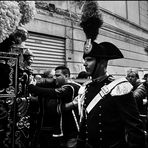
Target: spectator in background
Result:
[141, 96]
[133, 77]
[139, 89]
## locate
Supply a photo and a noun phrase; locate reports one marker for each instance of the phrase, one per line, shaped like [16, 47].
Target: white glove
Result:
[145, 101]
[75, 101]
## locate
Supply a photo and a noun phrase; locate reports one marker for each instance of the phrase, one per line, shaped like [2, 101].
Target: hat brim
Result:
[104, 50]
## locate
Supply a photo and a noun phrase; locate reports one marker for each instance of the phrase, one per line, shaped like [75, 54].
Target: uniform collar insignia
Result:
[87, 46]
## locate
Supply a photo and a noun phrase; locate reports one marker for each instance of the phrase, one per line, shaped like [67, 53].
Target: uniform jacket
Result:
[113, 116]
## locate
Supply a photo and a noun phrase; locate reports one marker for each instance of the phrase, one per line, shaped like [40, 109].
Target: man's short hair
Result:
[65, 70]
[134, 72]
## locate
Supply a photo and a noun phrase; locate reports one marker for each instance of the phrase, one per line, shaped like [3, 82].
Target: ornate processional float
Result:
[16, 126]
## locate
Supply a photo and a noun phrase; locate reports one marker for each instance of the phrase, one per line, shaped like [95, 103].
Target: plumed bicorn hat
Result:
[103, 50]
[91, 22]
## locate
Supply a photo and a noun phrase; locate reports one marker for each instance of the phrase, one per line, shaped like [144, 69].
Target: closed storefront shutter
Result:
[48, 51]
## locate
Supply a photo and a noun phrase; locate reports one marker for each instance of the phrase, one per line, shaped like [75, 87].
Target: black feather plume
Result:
[91, 19]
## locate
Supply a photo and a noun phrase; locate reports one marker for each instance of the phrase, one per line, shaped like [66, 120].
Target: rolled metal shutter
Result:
[48, 51]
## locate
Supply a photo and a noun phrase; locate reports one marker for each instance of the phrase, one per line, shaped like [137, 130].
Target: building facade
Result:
[56, 37]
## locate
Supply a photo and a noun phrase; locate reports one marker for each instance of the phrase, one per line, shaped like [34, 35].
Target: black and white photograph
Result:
[74, 74]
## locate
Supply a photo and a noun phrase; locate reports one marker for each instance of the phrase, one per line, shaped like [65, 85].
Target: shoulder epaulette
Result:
[117, 87]
[121, 89]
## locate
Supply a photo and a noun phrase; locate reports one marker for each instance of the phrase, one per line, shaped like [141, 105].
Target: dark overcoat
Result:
[54, 119]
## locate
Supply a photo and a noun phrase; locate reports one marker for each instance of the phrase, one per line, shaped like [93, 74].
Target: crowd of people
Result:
[102, 112]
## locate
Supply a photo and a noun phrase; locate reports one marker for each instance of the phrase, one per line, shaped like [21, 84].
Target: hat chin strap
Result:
[95, 67]
[103, 70]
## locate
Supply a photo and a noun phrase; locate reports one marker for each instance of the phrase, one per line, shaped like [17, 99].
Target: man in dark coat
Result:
[65, 128]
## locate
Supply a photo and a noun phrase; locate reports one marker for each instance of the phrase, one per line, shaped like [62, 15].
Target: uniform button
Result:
[99, 115]
[84, 105]
[100, 131]
[100, 106]
[100, 123]
[100, 139]
[86, 139]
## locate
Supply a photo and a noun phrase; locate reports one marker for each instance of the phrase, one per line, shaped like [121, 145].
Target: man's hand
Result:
[75, 101]
[70, 105]
[145, 101]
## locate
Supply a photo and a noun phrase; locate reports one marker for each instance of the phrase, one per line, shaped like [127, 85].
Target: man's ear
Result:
[105, 62]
